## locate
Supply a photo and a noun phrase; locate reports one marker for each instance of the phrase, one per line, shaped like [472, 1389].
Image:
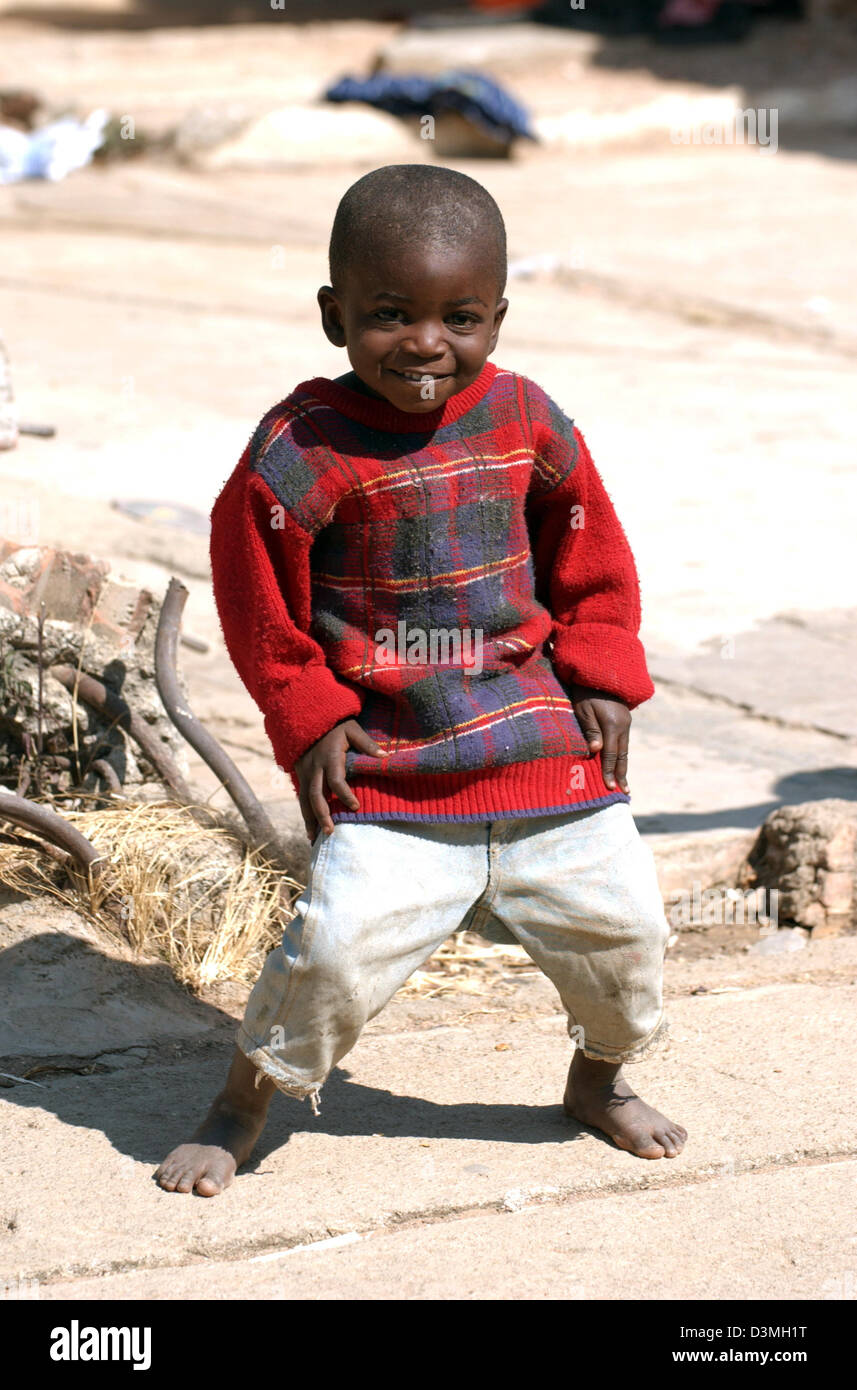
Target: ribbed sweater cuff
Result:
[605, 657]
[306, 709]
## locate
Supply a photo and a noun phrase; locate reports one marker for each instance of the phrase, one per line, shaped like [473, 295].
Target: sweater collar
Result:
[382, 416]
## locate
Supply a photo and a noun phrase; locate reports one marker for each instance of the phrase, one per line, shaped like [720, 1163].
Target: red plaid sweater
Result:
[439, 577]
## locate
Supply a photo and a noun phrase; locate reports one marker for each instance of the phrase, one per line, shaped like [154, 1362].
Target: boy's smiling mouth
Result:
[418, 377]
[418, 374]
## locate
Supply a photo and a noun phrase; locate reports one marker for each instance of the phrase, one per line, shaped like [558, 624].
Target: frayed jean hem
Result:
[619, 1056]
[268, 1064]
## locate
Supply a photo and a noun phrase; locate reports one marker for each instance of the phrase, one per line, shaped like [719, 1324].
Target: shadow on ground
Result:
[70, 1005]
[815, 785]
[131, 1110]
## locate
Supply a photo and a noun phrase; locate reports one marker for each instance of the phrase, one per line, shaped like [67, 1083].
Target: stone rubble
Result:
[94, 620]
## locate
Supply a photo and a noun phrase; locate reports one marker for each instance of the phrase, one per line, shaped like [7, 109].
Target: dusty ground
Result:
[705, 342]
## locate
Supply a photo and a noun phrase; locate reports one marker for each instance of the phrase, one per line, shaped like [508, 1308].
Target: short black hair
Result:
[407, 201]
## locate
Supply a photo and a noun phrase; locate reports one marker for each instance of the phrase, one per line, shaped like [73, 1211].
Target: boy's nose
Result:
[425, 339]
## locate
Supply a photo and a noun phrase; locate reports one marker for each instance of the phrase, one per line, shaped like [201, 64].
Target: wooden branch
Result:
[52, 827]
[107, 773]
[262, 831]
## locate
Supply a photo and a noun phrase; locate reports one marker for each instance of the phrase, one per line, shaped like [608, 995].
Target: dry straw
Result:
[467, 964]
[193, 896]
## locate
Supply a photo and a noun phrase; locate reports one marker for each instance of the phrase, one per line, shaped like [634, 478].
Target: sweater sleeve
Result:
[585, 571]
[261, 577]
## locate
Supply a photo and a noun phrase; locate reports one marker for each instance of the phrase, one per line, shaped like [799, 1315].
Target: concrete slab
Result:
[819, 652]
[417, 1125]
[699, 764]
[683, 1242]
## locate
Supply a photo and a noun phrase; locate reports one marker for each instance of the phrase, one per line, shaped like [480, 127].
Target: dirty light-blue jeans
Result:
[578, 891]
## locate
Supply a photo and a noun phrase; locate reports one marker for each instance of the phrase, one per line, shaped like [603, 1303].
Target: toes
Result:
[673, 1138]
[208, 1186]
[652, 1150]
[166, 1176]
[168, 1173]
[641, 1143]
[189, 1167]
[175, 1179]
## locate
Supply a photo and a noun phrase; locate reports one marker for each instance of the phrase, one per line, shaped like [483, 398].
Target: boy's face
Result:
[418, 323]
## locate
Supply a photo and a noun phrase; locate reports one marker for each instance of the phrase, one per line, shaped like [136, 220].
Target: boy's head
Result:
[417, 269]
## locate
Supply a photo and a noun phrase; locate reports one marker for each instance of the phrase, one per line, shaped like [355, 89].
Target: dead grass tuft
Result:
[193, 896]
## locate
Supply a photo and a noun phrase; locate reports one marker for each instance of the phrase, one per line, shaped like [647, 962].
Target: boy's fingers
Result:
[589, 726]
[317, 801]
[622, 771]
[309, 820]
[338, 785]
[622, 762]
[609, 757]
[359, 739]
[303, 801]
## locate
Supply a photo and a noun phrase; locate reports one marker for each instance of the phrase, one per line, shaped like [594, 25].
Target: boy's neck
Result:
[353, 397]
[352, 382]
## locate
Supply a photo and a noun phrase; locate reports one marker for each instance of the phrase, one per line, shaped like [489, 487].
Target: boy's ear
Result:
[499, 315]
[331, 316]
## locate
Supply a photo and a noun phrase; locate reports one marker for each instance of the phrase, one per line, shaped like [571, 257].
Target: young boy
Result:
[425, 588]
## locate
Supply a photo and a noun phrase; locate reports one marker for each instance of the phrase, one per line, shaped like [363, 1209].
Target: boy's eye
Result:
[389, 314]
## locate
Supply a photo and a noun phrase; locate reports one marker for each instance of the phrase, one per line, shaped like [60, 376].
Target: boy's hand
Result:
[324, 763]
[605, 722]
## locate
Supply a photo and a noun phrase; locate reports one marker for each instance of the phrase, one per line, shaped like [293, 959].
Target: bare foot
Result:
[596, 1095]
[226, 1137]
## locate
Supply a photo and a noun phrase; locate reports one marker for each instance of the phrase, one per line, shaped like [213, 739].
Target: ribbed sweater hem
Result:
[541, 788]
[479, 816]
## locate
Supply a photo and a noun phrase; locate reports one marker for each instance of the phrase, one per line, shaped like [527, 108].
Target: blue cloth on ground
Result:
[51, 151]
[470, 93]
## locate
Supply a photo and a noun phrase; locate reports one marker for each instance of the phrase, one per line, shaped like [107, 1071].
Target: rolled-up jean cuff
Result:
[267, 1064]
[599, 1052]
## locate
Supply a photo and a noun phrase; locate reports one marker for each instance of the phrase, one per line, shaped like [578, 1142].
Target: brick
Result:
[68, 585]
[121, 610]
